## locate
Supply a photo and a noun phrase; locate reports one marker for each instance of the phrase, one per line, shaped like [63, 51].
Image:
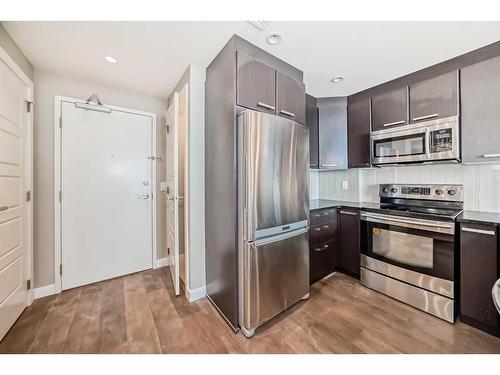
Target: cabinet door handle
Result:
[291, 114]
[425, 117]
[317, 229]
[480, 231]
[318, 249]
[328, 165]
[395, 123]
[491, 156]
[348, 213]
[264, 105]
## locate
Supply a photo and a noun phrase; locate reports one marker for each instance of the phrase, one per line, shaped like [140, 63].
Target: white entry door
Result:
[15, 217]
[106, 194]
[172, 172]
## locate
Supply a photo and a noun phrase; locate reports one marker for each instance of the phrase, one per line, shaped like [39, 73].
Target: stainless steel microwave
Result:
[435, 140]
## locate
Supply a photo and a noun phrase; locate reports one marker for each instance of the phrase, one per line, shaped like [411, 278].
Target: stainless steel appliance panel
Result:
[410, 222]
[275, 276]
[433, 284]
[404, 248]
[430, 141]
[275, 172]
[429, 302]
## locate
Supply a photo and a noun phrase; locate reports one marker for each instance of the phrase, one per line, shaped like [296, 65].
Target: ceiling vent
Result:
[261, 25]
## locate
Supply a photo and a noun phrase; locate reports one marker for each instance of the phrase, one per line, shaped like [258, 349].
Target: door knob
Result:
[143, 196]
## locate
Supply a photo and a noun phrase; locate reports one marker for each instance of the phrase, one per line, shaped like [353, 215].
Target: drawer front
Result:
[324, 216]
[322, 232]
[322, 260]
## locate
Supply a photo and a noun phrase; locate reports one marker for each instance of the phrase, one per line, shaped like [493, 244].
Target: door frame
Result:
[27, 170]
[58, 99]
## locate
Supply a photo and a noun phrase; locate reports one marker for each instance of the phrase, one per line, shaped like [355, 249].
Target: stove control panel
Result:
[432, 192]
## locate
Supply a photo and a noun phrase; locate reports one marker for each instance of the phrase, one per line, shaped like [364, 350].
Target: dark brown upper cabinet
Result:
[332, 133]
[312, 124]
[256, 84]
[358, 133]
[479, 264]
[390, 109]
[434, 98]
[290, 98]
[480, 90]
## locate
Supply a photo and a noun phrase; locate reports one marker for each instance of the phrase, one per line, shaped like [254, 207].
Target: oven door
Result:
[423, 246]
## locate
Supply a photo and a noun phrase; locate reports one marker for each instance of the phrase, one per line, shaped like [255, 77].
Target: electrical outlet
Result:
[345, 184]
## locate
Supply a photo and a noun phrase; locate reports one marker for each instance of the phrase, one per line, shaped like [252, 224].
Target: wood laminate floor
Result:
[139, 314]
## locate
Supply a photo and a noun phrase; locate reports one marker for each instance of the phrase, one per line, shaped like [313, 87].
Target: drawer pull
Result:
[395, 123]
[425, 117]
[264, 105]
[348, 213]
[479, 231]
[319, 249]
[487, 156]
[321, 215]
[317, 229]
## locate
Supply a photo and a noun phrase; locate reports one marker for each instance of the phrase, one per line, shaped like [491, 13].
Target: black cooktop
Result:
[447, 213]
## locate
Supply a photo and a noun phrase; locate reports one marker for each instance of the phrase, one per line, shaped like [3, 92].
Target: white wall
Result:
[194, 76]
[47, 85]
[481, 182]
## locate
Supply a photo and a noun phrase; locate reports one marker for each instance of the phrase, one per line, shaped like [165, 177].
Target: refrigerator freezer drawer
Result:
[275, 276]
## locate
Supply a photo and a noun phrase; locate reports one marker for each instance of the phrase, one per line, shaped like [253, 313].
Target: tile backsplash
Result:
[481, 182]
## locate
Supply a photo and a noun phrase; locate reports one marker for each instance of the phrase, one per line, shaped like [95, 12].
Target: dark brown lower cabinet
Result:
[349, 255]
[479, 270]
[323, 243]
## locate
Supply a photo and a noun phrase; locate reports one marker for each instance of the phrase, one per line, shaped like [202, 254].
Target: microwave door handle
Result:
[428, 143]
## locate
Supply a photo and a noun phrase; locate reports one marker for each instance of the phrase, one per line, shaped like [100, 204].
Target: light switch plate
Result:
[163, 186]
[345, 184]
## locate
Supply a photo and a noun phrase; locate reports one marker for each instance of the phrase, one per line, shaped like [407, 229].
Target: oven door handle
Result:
[449, 227]
[428, 143]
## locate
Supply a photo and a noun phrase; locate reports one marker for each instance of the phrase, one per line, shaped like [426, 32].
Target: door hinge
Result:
[60, 195]
[29, 105]
[60, 122]
[168, 190]
[168, 128]
[28, 196]
[168, 250]
[28, 284]
[60, 269]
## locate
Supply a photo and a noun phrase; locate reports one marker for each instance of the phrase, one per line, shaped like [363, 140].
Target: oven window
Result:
[413, 144]
[404, 248]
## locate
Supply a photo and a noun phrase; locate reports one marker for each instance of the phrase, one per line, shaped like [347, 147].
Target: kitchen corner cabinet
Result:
[312, 124]
[358, 133]
[290, 98]
[323, 243]
[479, 270]
[349, 254]
[332, 133]
[480, 88]
[434, 98]
[390, 109]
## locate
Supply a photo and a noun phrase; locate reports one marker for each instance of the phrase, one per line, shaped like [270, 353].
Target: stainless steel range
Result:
[408, 246]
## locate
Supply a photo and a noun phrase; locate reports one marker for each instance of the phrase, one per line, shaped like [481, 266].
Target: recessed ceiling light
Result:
[337, 79]
[111, 59]
[274, 38]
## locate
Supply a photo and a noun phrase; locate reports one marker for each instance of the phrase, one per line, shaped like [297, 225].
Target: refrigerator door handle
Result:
[281, 237]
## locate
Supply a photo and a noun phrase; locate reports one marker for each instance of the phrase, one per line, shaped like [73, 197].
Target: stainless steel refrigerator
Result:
[273, 216]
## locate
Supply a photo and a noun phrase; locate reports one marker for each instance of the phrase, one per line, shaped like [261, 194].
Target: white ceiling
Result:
[153, 55]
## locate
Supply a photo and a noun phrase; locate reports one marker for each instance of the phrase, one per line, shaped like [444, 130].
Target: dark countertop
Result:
[319, 204]
[476, 217]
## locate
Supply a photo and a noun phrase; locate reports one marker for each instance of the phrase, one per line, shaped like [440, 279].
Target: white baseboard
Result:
[193, 295]
[44, 291]
[161, 263]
